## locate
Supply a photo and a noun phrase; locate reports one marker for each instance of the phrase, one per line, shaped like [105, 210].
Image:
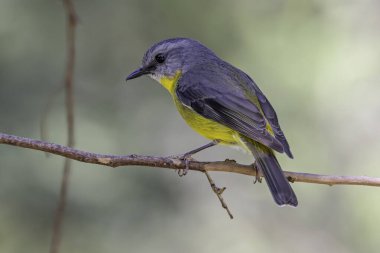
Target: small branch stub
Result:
[218, 191]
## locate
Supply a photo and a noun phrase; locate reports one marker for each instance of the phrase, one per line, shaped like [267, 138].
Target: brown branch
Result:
[171, 163]
[218, 191]
[69, 102]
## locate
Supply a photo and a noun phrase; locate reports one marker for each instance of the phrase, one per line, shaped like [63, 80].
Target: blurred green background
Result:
[317, 61]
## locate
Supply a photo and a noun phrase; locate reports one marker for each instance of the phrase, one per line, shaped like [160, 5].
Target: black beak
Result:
[137, 73]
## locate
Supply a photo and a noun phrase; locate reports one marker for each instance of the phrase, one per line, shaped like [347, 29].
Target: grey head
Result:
[167, 57]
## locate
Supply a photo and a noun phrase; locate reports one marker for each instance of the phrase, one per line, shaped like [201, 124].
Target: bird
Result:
[221, 103]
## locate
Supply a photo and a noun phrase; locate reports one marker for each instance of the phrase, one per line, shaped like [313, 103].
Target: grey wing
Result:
[215, 98]
[271, 116]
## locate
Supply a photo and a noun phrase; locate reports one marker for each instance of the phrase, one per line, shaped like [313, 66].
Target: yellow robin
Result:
[221, 103]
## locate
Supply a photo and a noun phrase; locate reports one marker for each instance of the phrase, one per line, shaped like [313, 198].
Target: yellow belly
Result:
[205, 127]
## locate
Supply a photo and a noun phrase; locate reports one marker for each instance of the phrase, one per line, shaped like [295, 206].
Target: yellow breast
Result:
[205, 127]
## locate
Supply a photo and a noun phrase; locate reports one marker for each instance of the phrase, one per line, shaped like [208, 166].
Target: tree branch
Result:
[218, 191]
[170, 163]
[69, 102]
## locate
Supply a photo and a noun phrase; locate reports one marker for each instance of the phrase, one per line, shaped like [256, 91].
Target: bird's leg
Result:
[257, 177]
[187, 156]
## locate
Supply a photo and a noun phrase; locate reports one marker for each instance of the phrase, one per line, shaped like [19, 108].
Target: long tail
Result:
[279, 186]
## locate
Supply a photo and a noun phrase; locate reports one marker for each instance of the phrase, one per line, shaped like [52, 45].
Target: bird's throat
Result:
[170, 82]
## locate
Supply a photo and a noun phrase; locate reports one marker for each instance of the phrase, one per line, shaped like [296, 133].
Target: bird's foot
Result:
[187, 158]
[257, 177]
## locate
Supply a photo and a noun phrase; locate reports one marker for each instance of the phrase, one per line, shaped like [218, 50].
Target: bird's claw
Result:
[257, 177]
[187, 159]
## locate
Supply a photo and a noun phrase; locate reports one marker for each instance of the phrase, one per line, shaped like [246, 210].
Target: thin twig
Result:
[69, 99]
[170, 163]
[218, 191]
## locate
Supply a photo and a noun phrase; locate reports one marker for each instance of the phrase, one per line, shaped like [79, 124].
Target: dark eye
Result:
[160, 58]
